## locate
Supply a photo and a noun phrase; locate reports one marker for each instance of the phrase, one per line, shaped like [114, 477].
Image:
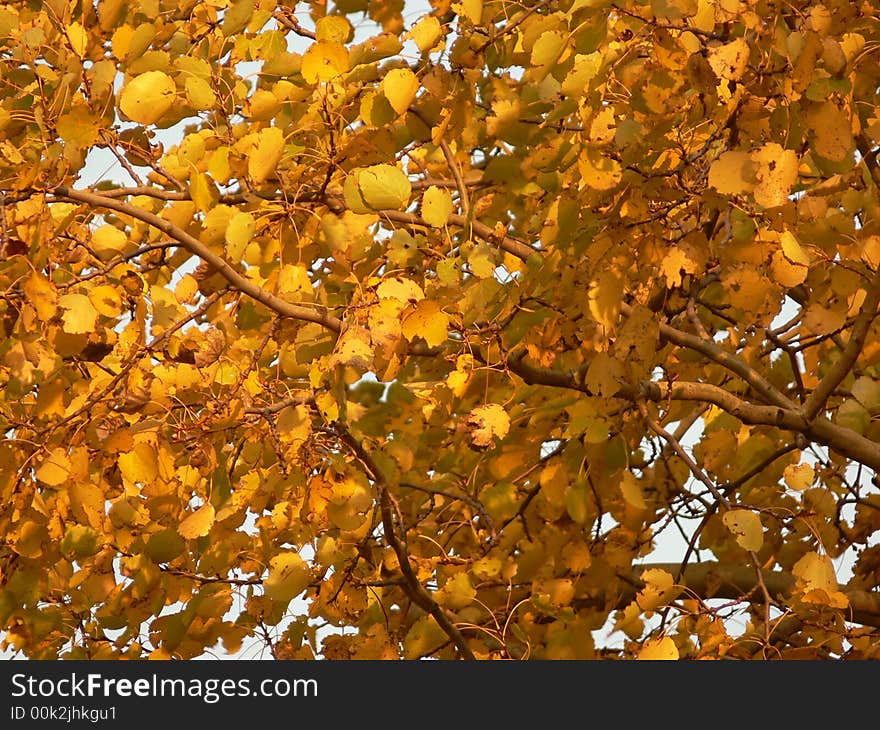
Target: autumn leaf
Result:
[198, 523]
[266, 154]
[436, 206]
[147, 97]
[663, 649]
[486, 423]
[746, 527]
[288, 577]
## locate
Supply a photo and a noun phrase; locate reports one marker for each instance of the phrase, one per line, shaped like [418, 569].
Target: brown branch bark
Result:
[306, 313]
[715, 580]
[843, 440]
[716, 353]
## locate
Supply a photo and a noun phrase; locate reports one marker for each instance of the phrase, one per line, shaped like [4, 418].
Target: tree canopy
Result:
[407, 330]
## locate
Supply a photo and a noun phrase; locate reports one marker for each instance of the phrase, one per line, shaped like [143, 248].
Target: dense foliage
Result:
[433, 324]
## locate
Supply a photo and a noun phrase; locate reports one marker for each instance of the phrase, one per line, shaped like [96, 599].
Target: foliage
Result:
[432, 324]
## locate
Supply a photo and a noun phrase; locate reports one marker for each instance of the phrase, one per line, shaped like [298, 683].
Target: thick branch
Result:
[313, 313]
[718, 354]
[843, 440]
[714, 580]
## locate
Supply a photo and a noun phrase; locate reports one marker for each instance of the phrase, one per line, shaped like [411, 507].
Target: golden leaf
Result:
[79, 316]
[456, 593]
[400, 86]
[426, 33]
[659, 650]
[41, 294]
[746, 527]
[147, 97]
[266, 154]
[632, 490]
[427, 321]
[799, 476]
[436, 206]
[323, 61]
[289, 576]
[55, 468]
[486, 423]
[197, 524]
[334, 28]
[384, 187]
[139, 465]
[733, 173]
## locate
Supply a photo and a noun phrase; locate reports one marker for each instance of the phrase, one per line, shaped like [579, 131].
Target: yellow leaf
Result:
[353, 348]
[79, 316]
[323, 61]
[729, 61]
[423, 637]
[793, 250]
[288, 577]
[799, 476]
[400, 86]
[237, 17]
[266, 154]
[427, 321]
[140, 465]
[486, 423]
[436, 206]
[605, 375]
[239, 233]
[456, 593]
[832, 132]
[186, 288]
[384, 187]
[733, 173]
[334, 28]
[199, 93]
[747, 528]
[426, 33]
[658, 591]
[55, 468]
[775, 174]
[354, 200]
[659, 650]
[147, 97]
[327, 406]
[403, 290]
[108, 241]
[42, 296]
[78, 37]
[605, 295]
[106, 300]
[597, 171]
[203, 191]
[471, 9]
[293, 280]
[815, 571]
[78, 126]
[632, 490]
[548, 48]
[384, 320]
[197, 524]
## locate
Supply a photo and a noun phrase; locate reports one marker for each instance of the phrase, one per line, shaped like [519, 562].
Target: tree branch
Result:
[307, 313]
[716, 580]
[842, 366]
[417, 593]
[726, 359]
